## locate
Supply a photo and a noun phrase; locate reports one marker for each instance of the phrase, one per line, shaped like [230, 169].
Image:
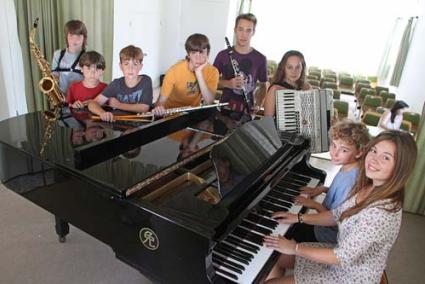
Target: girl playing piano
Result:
[368, 221]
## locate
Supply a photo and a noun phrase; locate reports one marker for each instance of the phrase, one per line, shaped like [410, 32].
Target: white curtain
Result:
[12, 88]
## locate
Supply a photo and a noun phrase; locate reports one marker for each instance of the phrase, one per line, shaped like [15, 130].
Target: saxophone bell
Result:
[46, 85]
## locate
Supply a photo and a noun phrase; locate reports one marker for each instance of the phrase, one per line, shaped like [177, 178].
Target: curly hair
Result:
[353, 133]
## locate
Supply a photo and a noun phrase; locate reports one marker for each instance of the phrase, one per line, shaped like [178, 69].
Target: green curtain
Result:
[403, 51]
[53, 14]
[415, 190]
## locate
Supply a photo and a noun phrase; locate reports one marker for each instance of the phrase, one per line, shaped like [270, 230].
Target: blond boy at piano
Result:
[132, 92]
[348, 139]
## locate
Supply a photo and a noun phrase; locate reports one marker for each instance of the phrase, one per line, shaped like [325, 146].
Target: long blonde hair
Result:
[393, 189]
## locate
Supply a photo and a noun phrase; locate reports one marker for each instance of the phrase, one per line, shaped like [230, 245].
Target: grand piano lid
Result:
[117, 173]
[243, 152]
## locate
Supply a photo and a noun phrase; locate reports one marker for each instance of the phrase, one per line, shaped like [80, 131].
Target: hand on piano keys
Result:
[313, 191]
[241, 256]
[280, 244]
[305, 201]
[283, 217]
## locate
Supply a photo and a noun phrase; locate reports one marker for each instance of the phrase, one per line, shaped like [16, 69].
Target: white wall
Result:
[161, 27]
[12, 89]
[412, 83]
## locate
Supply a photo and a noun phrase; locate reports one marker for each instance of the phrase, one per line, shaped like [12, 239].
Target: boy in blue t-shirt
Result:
[348, 139]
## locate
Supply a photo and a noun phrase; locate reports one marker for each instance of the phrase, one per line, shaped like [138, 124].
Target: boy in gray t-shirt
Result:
[133, 92]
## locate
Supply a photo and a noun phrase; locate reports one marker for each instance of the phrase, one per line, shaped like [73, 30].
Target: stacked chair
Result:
[414, 119]
[341, 107]
[371, 118]
[371, 102]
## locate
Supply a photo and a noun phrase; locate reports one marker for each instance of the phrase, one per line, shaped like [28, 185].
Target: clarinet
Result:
[236, 70]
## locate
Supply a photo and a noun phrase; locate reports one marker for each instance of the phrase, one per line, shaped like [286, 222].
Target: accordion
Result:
[306, 113]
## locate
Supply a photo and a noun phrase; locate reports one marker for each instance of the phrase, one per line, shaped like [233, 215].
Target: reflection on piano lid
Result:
[243, 152]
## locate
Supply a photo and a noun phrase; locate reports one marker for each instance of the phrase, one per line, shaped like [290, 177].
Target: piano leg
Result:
[62, 229]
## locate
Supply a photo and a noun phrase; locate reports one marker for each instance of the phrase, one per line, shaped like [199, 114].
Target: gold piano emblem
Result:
[149, 239]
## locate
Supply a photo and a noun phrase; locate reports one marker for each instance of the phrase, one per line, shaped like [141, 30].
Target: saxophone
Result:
[48, 84]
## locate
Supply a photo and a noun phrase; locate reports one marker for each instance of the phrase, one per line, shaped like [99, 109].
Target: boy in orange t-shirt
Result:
[190, 80]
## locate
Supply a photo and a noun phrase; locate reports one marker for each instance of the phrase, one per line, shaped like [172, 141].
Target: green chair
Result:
[342, 108]
[314, 68]
[317, 73]
[381, 109]
[329, 85]
[385, 96]
[362, 81]
[329, 72]
[346, 85]
[371, 103]
[344, 74]
[315, 83]
[371, 118]
[406, 126]
[359, 86]
[381, 93]
[414, 118]
[389, 103]
[380, 88]
[336, 94]
[312, 77]
[364, 92]
[328, 78]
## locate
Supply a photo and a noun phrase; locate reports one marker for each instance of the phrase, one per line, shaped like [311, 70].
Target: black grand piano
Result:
[186, 195]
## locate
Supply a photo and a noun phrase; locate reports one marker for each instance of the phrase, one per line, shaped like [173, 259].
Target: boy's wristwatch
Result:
[300, 218]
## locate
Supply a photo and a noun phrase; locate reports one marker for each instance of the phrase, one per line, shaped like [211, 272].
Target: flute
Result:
[149, 116]
[237, 71]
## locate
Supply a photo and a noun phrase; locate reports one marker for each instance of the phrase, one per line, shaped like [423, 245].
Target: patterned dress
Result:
[364, 241]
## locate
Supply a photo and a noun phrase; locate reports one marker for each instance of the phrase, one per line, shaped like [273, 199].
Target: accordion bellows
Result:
[308, 113]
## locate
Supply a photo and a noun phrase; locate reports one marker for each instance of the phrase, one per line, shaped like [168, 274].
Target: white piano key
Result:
[260, 258]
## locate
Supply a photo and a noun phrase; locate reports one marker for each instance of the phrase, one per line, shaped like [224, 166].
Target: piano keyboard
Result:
[241, 256]
[289, 116]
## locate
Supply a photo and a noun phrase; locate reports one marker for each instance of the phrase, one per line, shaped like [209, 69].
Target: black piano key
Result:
[294, 182]
[288, 191]
[220, 259]
[255, 228]
[228, 274]
[262, 221]
[230, 254]
[272, 207]
[237, 251]
[288, 185]
[265, 213]
[281, 195]
[277, 201]
[242, 244]
[295, 176]
[246, 235]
